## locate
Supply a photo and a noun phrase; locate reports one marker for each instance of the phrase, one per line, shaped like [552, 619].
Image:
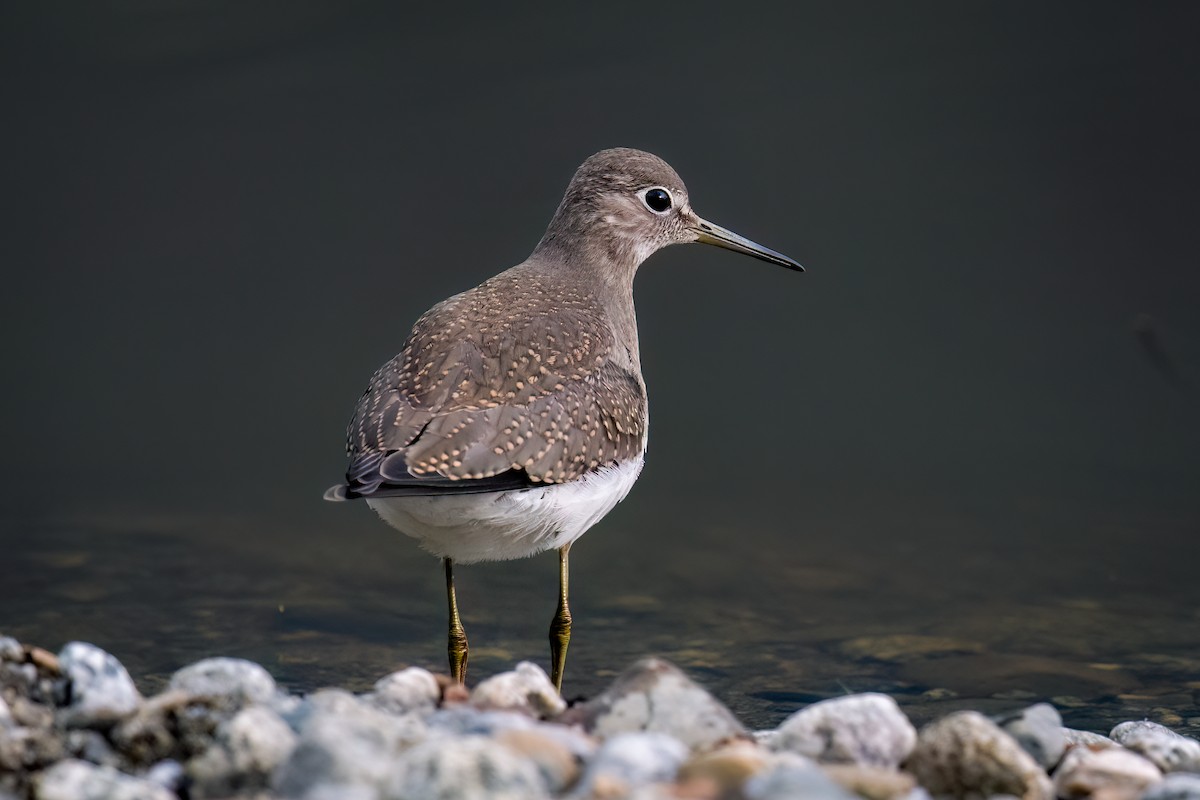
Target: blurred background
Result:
[956, 461]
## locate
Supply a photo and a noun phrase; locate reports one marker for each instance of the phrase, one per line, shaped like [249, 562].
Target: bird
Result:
[514, 417]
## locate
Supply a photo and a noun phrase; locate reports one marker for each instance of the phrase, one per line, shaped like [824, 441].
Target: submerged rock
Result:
[653, 695]
[1170, 751]
[966, 754]
[866, 729]
[100, 689]
[1038, 729]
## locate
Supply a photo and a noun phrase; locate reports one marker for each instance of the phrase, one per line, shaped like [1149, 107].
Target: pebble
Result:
[526, 688]
[168, 774]
[344, 745]
[222, 729]
[1038, 729]
[234, 680]
[554, 759]
[789, 781]
[153, 732]
[1176, 786]
[78, 780]
[873, 783]
[1110, 772]
[1086, 738]
[101, 691]
[247, 749]
[1170, 751]
[630, 760]
[406, 691]
[726, 769]
[966, 754]
[467, 768]
[653, 695]
[11, 650]
[866, 729]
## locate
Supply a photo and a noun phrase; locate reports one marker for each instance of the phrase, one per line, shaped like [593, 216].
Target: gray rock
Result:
[29, 740]
[1038, 729]
[966, 754]
[1176, 786]
[173, 724]
[865, 729]
[5, 714]
[407, 690]
[168, 774]
[1086, 738]
[1170, 751]
[468, 768]
[627, 761]
[101, 691]
[91, 746]
[235, 681]
[553, 756]
[247, 749]
[654, 695]
[1115, 771]
[79, 780]
[11, 650]
[149, 735]
[526, 688]
[788, 781]
[345, 746]
[466, 721]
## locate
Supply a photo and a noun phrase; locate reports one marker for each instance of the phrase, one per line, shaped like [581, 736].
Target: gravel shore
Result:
[73, 725]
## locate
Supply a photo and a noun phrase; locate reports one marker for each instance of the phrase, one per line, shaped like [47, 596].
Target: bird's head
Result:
[623, 205]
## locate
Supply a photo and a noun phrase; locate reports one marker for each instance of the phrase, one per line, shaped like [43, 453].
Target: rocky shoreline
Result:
[73, 725]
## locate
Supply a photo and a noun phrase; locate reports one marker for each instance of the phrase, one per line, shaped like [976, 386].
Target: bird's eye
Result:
[657, 200]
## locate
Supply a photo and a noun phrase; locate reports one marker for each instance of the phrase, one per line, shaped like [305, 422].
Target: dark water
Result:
[955, 461]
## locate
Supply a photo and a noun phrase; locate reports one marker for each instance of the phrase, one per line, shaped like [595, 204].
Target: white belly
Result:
[499, 526]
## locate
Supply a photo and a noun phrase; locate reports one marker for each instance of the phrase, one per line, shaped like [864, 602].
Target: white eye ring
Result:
[654, 196]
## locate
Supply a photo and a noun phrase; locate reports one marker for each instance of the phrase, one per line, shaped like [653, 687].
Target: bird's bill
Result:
[709, 233]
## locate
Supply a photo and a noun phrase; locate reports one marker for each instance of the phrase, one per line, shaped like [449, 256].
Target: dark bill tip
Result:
[710, 233]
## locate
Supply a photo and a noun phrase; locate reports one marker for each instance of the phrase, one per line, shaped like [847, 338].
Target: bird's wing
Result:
[481, 405]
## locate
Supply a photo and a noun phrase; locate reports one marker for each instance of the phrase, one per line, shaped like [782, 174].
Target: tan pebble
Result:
[552, 757]
[727, 767]
[873, 783]
[1109, 772]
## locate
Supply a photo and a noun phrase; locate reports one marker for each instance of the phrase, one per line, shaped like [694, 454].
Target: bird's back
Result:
[519, 381]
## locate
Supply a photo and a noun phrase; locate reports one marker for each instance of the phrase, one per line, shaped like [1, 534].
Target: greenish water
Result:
[941, 611]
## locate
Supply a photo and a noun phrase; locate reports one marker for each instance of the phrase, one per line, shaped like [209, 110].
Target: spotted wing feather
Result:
[487, 396]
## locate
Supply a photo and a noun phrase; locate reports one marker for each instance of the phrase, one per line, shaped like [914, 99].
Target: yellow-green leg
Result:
[457, 646]
[560, 628]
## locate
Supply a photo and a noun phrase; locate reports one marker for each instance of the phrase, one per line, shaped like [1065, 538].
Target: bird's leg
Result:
[457, 645]
[560, 627]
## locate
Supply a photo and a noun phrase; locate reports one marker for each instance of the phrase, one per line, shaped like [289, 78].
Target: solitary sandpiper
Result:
[514, 418]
